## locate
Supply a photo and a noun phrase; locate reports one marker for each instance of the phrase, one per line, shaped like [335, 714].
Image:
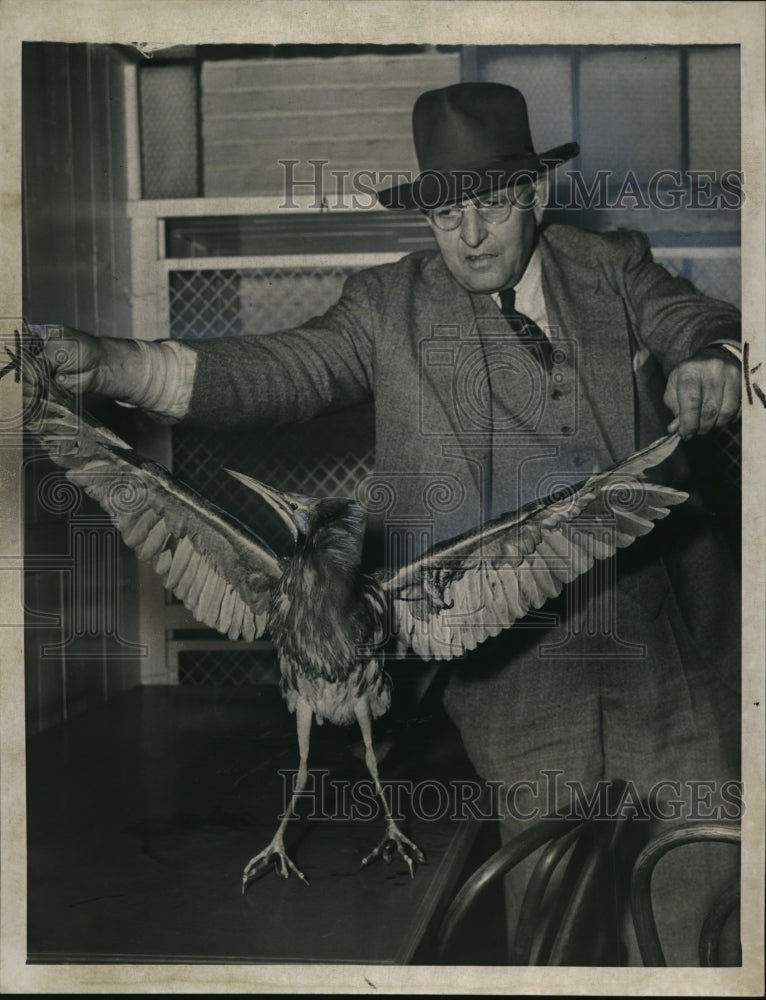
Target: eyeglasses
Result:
[493, 209]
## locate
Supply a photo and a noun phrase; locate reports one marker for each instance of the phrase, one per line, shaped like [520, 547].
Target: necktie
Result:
[528, 332]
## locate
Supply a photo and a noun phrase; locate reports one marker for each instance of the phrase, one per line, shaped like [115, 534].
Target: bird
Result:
[331, 623]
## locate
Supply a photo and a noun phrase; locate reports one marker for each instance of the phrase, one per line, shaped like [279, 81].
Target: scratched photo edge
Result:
[414, 20]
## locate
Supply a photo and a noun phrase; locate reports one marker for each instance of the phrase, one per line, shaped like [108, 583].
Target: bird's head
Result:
[298, 512]
[334, 524]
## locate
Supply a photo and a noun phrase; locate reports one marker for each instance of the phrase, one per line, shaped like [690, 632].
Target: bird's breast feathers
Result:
[336, 701]
[332, 655]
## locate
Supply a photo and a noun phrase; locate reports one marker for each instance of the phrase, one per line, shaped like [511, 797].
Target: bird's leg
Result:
[394, 840]
[276, 849]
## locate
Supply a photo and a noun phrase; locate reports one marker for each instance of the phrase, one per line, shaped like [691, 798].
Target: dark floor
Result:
[142, 814]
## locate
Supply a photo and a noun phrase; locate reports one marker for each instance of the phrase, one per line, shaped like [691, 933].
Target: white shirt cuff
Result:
[732, 346]
[168, 368]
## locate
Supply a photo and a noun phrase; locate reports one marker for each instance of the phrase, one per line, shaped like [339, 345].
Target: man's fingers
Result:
[689, 394]
[721, 394]
[64, 354]
[712, 393]
[731, 398]
[671, 400]
[74, 361]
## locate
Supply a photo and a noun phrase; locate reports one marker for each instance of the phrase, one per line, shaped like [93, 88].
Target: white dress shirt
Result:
[530, 299]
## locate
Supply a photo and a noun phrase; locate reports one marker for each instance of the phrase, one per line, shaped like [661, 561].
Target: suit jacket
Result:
[467, 427]
[460, 412]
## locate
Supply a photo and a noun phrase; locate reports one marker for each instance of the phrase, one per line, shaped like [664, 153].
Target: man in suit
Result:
[510, 361]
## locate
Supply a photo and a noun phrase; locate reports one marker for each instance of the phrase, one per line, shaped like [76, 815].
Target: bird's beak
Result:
[276, 499]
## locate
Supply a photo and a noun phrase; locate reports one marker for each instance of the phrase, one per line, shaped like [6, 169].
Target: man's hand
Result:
[703, 393]
[83, 363]
[76, 360]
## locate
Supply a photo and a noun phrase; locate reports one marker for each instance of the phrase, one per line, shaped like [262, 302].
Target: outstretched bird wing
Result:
[471, 587]
[221, 570]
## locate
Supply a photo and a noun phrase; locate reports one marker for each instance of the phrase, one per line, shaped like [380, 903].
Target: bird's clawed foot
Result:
[260, 864]
[393, 843]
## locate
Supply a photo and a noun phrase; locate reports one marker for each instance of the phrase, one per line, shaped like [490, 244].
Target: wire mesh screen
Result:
[205, 304]
[228, 303]
[728, 446]
[227, 667]
[325, 457]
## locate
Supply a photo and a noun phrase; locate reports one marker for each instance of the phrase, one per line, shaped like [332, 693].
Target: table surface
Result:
[142, 814]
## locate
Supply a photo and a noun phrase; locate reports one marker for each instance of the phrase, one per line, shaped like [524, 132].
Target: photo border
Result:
[387, 22]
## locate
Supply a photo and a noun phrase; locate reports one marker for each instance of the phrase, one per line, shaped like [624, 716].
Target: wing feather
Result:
[211, 596]
[200, 575]
[547, 586]
[559, 544]
[183, 553]
[465, 590]
[154, 543]
[163, 562]
[222, 571]
[189, 575]
[196, 596]
[238, 613]
[224, 613]
[248, 625]
[137, 528]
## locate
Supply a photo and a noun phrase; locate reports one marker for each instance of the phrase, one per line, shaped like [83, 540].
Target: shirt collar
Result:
[529, 288]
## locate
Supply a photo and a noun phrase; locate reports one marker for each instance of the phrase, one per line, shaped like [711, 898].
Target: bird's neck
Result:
[332, 558]
[336, 545]
[328, 588]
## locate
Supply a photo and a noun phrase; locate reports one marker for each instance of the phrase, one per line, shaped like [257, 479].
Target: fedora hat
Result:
[470, 137]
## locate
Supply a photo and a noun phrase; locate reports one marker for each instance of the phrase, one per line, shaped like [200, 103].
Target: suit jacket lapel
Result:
[581, 308]
[448, 347]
